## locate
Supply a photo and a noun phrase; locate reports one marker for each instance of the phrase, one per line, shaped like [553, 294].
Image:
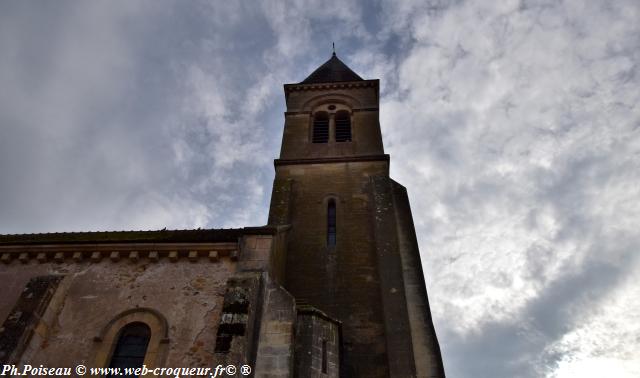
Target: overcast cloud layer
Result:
[515, 127]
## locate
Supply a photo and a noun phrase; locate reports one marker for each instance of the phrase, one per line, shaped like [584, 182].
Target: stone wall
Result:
[318, 343]
[426, 349]
[277, 332]
[239, 329]
[206, 304]
[341, 281]
[180, 297]
[394, 301]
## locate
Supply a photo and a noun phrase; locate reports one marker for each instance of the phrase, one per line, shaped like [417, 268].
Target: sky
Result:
[514, 125]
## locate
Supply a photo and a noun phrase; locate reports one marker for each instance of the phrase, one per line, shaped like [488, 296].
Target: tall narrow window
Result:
[343, 127]
[131, 347]
[324, 356]
[320, 128]
[331, 223]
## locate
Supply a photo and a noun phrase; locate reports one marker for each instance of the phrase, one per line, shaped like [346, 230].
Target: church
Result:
[332, 286]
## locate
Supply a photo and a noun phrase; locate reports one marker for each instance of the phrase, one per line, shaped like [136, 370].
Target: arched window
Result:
[320, 128]
[343, 126]
[131, 347]
[331, 223]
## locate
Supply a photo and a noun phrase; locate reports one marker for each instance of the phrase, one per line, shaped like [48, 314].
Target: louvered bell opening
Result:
[321, 128]
[343, 127]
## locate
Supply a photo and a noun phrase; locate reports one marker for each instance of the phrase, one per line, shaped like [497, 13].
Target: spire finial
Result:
[334, 48]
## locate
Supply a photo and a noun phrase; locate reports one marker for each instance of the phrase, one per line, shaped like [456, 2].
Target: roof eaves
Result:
[155, 236]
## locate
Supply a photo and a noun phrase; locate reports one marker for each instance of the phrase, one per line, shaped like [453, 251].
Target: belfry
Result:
[332, 286]
[351, 249]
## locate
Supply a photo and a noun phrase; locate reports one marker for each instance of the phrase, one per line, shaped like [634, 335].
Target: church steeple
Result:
[332, 71]
[333, 113]
[351, 248]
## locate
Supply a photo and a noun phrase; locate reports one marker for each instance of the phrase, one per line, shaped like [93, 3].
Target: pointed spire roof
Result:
[333, 70]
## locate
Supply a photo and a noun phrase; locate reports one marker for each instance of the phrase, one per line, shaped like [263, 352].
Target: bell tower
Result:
[351, 247]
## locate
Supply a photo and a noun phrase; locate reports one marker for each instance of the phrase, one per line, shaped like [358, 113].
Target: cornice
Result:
[151, 236]
[288, 88]
[305, 309]
[328, 160]
[309, 112]
[95, 253]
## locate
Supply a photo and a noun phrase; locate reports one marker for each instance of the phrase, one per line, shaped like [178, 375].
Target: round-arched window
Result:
[131, 347]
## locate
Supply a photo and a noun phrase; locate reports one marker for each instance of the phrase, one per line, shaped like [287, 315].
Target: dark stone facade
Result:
[371, 280]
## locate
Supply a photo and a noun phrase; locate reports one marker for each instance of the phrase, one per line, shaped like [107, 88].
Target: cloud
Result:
[525, 185]
[604, 339]
[50, 115]
[139, 118]
[514, 126]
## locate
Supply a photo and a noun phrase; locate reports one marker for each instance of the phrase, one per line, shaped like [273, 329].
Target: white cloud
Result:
[518, 151]
[604, 341]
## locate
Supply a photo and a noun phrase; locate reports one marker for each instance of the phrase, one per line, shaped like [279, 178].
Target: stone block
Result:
[263, 243]
[6, 258]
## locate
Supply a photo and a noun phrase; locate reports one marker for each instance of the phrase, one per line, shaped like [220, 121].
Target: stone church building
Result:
[332, 286]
